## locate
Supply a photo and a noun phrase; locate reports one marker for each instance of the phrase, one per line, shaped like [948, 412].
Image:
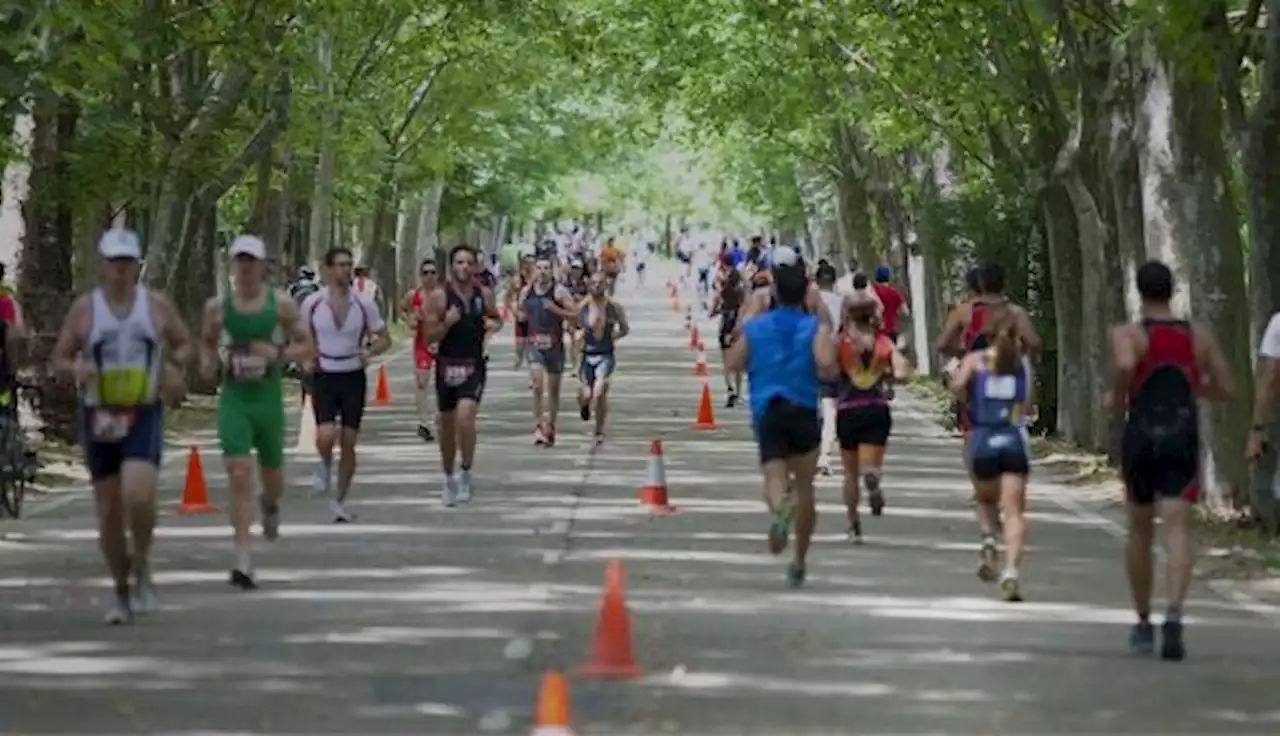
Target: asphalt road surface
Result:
[422, 619]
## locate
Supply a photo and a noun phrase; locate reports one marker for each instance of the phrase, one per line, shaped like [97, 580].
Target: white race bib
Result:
[108, 425]
[456, 374]
[1003, 388]
[542, 342]
[247, 367]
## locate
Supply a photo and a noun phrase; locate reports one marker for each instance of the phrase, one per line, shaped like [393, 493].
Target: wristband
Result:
[1258, 428]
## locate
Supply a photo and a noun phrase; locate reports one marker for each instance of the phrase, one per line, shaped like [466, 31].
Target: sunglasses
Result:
[428, 272]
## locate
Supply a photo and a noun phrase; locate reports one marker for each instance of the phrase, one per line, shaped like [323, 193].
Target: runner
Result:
[242, 338]
[342, 320]
[412, 307]
[1161, 365]
[603, 323]
[640, 257]
[786, 352]
[869, 364]
[726, 303]
[126, 347]
[611, 260]
[703, 259]
[893, 305]
[764, 296]
[515, 285]
[995, 383]
[575, 280]
[461, 315]
[545, 305]
[825, 278]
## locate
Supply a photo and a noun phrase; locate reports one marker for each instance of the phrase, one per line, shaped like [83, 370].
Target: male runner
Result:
[1161, 365]
[786, 351]
[250, 334]
[515, 285]
[545, 305]
[412, 308]
[342, 320]
[460, 315]
[603, 323]
[126, 347]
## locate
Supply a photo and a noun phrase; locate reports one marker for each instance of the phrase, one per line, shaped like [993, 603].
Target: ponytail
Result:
[1003, 333]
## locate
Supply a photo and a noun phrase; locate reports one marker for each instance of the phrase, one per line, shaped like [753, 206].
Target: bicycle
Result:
[18, 462]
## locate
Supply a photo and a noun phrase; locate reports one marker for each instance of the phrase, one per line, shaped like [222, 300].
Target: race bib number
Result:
[456, 374]
[110, 425]
[1001, 387]
[247, 367]
[542, 342]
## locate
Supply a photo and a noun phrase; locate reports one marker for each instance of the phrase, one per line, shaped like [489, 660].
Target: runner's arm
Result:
[1124, 361]
[181, 348]
[1217, 384]
[813, 300]
[492, 318]
[735, 358]
[1265, 374]
[715, 305]
[624, 326]
[1027, 333]
[298, 347]
[952, 331]
[436, 308]
[561, 297]
[210, 337]
[824, 353]
[901, 366]
[377, 327]
[964, 374]
[64, 358]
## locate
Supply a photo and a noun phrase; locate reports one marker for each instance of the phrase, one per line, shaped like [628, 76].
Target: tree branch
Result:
[367, 62]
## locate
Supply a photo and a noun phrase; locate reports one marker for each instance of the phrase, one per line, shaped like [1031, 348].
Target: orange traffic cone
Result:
[706, 417]
[700, 362]
[694, 342]
[195, 493]
[611, 659]
[382, 394]
[654, 491]
[552, 715]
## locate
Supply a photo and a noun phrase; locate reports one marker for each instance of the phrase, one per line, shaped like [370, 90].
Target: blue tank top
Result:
[780, 361]
[995, 398]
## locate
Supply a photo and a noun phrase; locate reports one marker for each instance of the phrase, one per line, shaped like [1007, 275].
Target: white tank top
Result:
[125, 354]
[340, 347]
[833, 302]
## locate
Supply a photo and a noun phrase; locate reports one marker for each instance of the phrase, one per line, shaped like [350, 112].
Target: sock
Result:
[1173, 615]
[1144, 618]
[466, 468]
[1010, 573]
[243, 563]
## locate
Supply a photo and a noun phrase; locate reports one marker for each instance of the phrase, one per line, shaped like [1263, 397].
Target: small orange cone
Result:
[195, 493]
[382, 393]
[706, 417]
[611, 659]
[552, 715]
[654, 491]
[700, 363]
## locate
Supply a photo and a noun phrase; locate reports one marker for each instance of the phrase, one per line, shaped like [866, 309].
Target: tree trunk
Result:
[1070, 387]
[1191, 221]
[322, 212]
[45, 277]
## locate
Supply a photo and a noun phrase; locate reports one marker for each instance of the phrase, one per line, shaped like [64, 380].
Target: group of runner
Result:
[828, 363]
[818, 362]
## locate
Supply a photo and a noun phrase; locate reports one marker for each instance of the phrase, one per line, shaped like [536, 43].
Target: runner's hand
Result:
[452, 317]
[82, 371]
[172, 383]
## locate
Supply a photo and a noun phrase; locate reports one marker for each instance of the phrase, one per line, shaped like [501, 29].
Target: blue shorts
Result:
[594, 368]
[143, 440]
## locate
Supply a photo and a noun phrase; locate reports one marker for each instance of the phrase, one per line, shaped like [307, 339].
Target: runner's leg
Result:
[355, 386]
[269, 433]
[104, 461]
[236, 438]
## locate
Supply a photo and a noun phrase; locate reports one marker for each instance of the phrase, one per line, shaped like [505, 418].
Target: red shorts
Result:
[423, 358]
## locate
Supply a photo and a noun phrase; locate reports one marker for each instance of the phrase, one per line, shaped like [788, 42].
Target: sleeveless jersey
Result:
[125, 353]
[546, 329]
[240, 329]
[864, 372]
[593, 343]
[995, 399]
[1162, 395]
[461, 351]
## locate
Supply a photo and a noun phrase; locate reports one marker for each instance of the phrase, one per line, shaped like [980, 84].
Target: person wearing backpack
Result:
[342, 320]
[1161, 366]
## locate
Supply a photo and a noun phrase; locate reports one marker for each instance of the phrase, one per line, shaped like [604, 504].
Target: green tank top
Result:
[239, 328]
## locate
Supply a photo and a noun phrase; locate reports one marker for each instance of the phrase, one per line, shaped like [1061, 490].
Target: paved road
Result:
[427, 620]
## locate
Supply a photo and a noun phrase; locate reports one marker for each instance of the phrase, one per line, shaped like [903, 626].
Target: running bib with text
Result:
[247, 367]
[456, 374]
[542, 342]
[1001, 387]
[107, 425]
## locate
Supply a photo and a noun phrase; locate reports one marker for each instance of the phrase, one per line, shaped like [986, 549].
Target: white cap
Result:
[785, 255]
[249, 245]
[120, 243]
